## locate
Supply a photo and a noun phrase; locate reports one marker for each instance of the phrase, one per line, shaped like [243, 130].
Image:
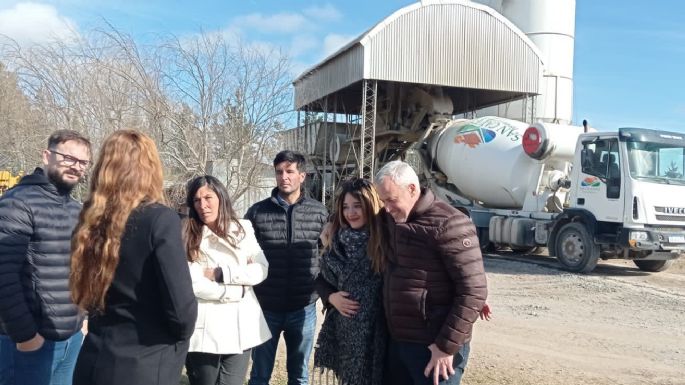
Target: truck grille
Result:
[670, 218]
[663, 229]
[664, 213]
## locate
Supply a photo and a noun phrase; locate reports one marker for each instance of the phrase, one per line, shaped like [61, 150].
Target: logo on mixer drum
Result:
[472, 136]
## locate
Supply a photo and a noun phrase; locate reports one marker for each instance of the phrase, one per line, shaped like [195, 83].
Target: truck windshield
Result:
[659, 162]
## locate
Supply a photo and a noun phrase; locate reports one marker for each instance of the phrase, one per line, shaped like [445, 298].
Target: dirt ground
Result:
[617, 325]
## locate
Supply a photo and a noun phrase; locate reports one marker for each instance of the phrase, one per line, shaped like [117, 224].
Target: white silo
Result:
[550, 25]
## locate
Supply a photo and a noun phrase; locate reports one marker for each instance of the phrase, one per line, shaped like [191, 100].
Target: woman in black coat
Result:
[129, 271]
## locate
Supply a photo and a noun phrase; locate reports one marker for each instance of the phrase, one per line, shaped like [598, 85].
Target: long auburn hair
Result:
[193, 225]
[365, 192]
[128, 173]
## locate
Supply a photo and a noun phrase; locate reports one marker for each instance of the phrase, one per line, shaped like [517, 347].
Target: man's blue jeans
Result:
[298, 329]
[52, 364]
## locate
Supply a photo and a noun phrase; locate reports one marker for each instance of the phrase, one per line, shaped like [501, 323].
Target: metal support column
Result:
[324, 160]
[295, 139]
[302, 131]
[529, 109]
[367, 140]
[334, 156]
[308, 133]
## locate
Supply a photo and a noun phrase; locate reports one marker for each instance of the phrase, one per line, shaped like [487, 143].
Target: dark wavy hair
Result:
[192, 228]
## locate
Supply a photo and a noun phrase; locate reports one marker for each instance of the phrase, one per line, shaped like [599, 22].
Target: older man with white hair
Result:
[434, 281]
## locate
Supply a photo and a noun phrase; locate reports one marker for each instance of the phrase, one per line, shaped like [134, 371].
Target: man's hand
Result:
[440, 364]
[209, 273]
[326, 234]
[347, 307]
[31, 345]
[486, 312]
[84, 327]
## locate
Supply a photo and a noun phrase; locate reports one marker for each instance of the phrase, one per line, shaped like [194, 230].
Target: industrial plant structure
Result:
[433, 60]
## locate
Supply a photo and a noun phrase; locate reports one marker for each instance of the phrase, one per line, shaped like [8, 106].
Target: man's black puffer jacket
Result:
[36, 223]
[289, 237]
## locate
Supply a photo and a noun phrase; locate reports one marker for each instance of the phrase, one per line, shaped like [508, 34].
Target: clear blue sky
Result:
[629, 54]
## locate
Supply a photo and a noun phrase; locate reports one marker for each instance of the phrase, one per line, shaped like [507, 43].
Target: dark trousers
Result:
[406, 361]
[217, 369]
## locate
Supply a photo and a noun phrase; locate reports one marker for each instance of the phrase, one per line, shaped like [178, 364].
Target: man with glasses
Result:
[40, 328]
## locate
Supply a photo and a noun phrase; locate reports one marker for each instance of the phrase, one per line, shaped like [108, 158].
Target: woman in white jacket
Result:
[225, 262]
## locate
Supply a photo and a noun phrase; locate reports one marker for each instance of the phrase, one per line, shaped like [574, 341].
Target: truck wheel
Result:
[653, 266]
[576, 249]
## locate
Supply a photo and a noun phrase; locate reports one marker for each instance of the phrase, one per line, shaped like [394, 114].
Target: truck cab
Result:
[628, 189]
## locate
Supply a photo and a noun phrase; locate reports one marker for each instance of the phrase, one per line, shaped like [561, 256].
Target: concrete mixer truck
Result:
[583, 195]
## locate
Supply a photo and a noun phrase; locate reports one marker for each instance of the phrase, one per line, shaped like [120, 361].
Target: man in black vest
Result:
[287, 226]
[40, 328]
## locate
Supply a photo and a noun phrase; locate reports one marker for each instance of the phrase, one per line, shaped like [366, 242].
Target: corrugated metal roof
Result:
[446, 43]
[346, 69]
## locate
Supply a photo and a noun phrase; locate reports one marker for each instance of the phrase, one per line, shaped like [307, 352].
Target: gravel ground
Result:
[617, 325]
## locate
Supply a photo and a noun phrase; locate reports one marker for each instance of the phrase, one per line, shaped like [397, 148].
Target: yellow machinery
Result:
[7, 180]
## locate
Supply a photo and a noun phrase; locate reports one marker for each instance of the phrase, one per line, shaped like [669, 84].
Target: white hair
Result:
[399, 172]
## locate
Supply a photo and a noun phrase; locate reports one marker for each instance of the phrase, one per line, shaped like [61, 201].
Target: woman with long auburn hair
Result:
[129, 271]
[225, 263]
[352, 340]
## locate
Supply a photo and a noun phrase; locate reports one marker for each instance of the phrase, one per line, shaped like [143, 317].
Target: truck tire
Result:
[576, 249]
[653, 266]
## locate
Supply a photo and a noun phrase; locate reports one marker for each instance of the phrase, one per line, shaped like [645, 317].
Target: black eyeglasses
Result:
[70, 160]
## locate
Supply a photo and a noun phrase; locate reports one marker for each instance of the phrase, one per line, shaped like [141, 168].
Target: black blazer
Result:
[150, 309]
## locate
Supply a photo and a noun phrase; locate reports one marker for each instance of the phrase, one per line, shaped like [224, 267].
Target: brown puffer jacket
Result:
[434, 282]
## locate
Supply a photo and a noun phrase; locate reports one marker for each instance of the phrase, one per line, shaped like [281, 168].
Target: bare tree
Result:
[212, 104]
[22, 136]
[233, 98]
